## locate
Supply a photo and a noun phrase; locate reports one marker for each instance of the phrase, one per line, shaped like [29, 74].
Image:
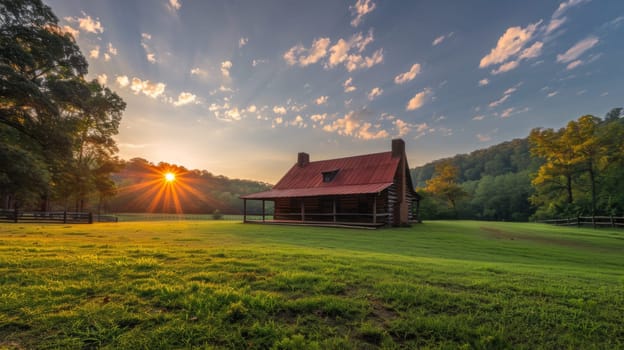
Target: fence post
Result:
[612, 222]
[578, 221]
[16, 215]
[594, 221]
[65, 217]
[90, 217]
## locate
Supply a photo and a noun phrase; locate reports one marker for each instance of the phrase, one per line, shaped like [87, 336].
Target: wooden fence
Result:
[51, 217]
[593, 221]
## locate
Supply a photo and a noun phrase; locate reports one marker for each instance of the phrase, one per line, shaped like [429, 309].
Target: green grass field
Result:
[226, 285]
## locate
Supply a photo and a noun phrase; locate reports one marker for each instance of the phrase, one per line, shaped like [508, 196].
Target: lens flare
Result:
[164, 190]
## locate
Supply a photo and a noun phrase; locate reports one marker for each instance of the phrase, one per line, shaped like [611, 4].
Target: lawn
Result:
[227, 285]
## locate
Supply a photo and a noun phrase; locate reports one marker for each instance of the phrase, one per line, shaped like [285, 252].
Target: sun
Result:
[170, 177]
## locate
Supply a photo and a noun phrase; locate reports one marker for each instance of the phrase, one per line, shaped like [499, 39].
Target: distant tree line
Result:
[576, 170]
[56, 127]
[198, 191]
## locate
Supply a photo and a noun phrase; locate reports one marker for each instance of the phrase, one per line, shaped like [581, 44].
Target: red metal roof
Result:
[369, 173]
[319, 191]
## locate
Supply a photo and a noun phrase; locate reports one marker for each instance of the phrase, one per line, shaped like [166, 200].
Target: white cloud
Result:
[174, 5]
[401, 127]
[225, 68]
[298, 122]
[552, 94]
[554, 24]
[366, 134]
[422, 129]
[441, 38]
[102, 79]
[279, 110]
[318, 118]
[574, 64]
[112, 50]
[95, 53]
[199, 72]
[232, 114]
[321, 100]
[152, 90]
[409, 75]
[578, 49]
[506, 67]
[374, 93]
[532, 51]
[277, 121]
[349, 125]
[87, 24]
[357, 61]
[123, 80]
[564, 6]
[484, 82]
[418, 100]
[107, 57]
[348, 87]
[257, 62]
[298, 54]
[242, 42]
[185, 98]
[252, 109]
[478, 117]
[510, 43]
[510, 91]
[224, 88]
[149, 53]
[349, 53]
[499, 101]
[360, 9]
[506, 113]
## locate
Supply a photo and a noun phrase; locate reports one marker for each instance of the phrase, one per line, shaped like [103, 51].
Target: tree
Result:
[556, 174]
[61, 124]
[444, 184]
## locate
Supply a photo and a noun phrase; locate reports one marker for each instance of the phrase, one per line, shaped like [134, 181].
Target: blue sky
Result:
[239, 87]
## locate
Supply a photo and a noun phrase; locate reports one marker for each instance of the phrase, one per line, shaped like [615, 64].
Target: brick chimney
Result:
[303, 159]
[398, 148]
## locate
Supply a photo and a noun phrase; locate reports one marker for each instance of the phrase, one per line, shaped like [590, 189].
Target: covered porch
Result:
[361, 210]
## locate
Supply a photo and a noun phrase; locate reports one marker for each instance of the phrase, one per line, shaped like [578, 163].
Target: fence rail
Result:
[66, 217]
[594, 221]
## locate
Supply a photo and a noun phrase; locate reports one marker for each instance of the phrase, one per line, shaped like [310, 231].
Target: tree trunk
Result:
[569, 188]
[592, 179]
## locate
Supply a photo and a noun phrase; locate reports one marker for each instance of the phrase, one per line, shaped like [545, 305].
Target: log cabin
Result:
[371, 190]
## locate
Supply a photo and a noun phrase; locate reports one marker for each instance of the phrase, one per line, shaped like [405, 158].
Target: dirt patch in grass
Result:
[499, 234]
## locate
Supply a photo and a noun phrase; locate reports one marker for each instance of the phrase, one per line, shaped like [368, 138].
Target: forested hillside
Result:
[142, 188]
[576, 170]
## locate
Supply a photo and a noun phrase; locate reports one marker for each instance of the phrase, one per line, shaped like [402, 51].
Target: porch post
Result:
[375, 209]
[334, 209]
[263, 210]
[302, 210]
[244, 210]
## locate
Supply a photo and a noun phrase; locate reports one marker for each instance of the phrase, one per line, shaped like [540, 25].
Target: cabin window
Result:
[328, 176]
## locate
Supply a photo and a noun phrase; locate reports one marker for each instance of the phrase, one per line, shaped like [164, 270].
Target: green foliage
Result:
[444, 184]
[504, 166]
[225, 285]
[61, 124]
[582, 165]
[552, 173]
